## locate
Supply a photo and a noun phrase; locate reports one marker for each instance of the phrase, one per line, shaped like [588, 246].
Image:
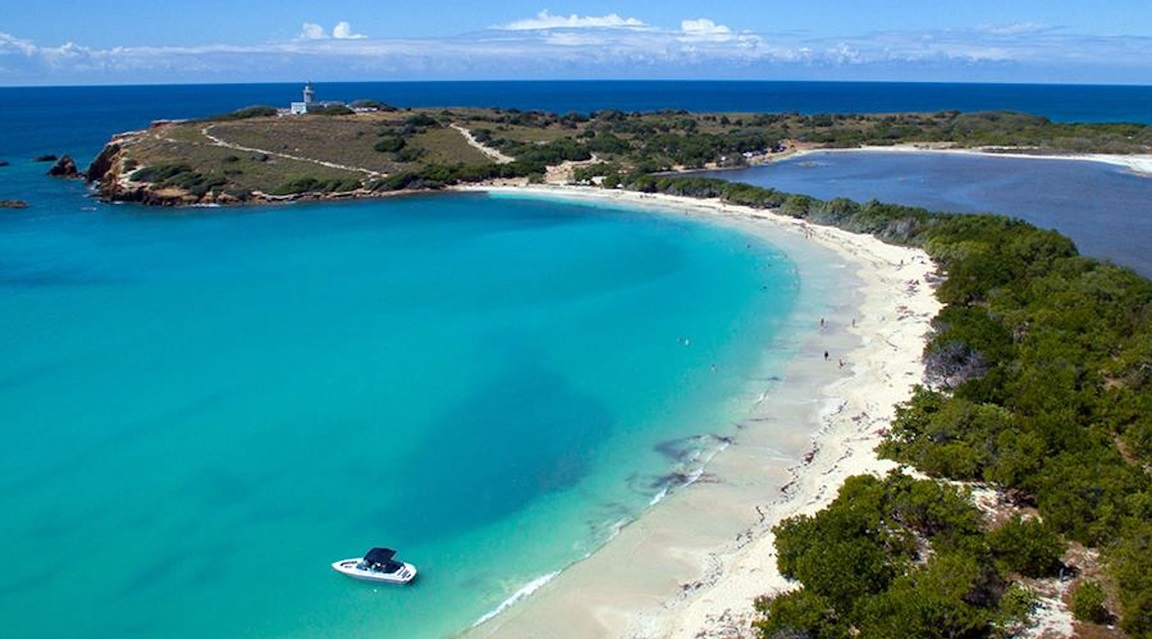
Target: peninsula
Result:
[255, 155]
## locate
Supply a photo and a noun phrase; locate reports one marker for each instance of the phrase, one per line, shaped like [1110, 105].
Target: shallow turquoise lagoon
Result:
[203, 409]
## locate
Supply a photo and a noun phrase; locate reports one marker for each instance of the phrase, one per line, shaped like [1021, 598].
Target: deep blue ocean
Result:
[76, 119]
[201, 409]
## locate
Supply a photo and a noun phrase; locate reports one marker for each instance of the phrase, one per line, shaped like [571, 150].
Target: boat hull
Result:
[350, 568]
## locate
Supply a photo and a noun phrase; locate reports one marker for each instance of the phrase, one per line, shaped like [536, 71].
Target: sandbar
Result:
[1137, 163]
[692, 566]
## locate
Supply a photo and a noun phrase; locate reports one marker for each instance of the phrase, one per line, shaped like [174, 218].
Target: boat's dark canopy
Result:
[379, 555]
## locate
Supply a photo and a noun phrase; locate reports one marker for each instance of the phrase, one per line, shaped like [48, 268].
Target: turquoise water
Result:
[203, 409]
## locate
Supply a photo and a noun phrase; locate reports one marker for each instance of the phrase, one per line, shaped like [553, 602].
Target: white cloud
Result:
[10, 43]
[343, 31]
[545, 20]
[312, 31]
[705, 30]
[550, 46]
[1019, 28]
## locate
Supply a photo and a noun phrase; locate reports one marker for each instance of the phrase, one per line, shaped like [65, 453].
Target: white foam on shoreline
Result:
[699, 459]
[519, 595]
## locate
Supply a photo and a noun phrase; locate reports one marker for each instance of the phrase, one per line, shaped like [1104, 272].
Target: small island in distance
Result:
[323, 150]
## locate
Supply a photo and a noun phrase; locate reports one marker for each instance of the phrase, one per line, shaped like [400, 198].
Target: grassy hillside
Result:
[252, 155]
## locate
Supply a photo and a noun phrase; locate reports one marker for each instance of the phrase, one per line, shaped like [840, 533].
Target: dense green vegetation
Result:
[330, 109]
[663, 140]
[258, 111]
[438, 176]
[1088, 603]
[375, 105]
[179, 176]
[309, 184]
[1040, 371]
[897, 557]
[545, 153]
[1043, 387]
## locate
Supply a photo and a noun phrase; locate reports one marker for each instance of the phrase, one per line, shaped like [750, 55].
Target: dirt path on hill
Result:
[332, 165]
[493, 154]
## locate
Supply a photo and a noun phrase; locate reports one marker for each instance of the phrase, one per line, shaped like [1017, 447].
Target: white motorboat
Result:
[377, 565]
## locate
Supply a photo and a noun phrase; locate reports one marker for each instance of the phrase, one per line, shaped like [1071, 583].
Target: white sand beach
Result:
[693, 565]
[1140, 164]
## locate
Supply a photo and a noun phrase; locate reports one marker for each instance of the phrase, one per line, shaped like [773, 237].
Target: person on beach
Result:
[825, 355]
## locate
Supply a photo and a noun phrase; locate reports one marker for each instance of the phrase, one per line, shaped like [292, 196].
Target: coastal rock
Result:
[65, 167]
[108, 162]
[113, 183]
[13, 204]
[44, 158]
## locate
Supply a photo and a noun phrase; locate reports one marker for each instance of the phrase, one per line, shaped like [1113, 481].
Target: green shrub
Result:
[259, 111]
[1028, 547]
[409, 154]
[390, 144]
[160, 172]
[1088, 603]
[1016, 607]
[332, 109]
[422, 120]
[372, 104]
[298, 185]
[797, 614]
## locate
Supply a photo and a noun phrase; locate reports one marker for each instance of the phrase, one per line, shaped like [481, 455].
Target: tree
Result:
[1028, 547]
[800, 613]
[1088, 603]
[941, 599]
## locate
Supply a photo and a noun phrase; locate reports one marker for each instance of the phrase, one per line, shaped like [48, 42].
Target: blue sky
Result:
[124, 42]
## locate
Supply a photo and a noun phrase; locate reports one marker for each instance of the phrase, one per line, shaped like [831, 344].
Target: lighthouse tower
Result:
[300, 108]
[310, 104]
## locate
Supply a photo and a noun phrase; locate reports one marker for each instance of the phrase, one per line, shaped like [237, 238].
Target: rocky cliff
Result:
[113, 183]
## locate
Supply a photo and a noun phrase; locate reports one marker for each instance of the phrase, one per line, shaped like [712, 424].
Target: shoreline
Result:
[692, 565]
[1138, 164]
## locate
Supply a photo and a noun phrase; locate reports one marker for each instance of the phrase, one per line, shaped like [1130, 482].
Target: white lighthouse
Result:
[300, 108]
[310, 104]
